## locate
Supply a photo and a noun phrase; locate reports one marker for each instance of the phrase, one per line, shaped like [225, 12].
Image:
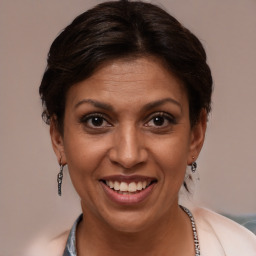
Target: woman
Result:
[126, 92]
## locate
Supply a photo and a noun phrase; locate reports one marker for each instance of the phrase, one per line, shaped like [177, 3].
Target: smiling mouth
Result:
[128, 188]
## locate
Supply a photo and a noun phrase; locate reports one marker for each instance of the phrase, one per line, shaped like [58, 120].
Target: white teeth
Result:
[132, 187]
[125, 187]
[110, 184]
[116, 185]
[139, 185]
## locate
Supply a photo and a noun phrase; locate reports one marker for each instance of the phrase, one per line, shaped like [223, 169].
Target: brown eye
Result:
[161, 120]
[158, 121]
[97, 121]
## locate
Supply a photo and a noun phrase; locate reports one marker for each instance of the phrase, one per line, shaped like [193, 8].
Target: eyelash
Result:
[102, 118]
[87, 118]
[170, 119]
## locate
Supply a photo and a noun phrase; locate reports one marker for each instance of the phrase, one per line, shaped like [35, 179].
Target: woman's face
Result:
[127, 142]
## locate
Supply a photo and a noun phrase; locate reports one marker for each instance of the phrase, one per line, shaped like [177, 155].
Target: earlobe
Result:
[197, 137]
[57, 142]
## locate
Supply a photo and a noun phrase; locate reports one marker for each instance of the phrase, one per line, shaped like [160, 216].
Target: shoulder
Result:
[54, 247]
[220, 232]
[57, 245]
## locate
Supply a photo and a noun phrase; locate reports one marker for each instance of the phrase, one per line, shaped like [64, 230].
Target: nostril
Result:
[127, 159]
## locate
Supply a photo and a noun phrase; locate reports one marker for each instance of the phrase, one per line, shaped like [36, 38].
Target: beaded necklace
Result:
[195, 236]
[70, 249]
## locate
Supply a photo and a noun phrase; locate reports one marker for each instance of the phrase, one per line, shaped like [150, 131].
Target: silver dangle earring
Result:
[193, 167]
[59, 178]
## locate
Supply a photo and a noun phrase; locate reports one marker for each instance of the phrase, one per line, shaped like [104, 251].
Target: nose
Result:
[128, 148]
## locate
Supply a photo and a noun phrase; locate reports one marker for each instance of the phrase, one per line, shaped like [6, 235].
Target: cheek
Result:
[171, 156]
[83, 156]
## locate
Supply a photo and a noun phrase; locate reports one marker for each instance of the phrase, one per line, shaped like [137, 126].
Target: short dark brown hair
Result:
[124, 29]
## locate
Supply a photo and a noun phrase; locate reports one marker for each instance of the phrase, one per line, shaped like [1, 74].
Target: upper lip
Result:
[128, 178]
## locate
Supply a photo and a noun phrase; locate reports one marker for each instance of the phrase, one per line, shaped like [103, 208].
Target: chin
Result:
[130, 223]
[133, 220]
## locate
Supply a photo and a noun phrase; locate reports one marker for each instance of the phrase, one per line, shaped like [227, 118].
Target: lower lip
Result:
[128, 199]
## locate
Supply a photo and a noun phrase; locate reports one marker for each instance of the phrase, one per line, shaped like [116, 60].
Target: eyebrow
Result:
[108, 107]
[157, 103]
[95, 103]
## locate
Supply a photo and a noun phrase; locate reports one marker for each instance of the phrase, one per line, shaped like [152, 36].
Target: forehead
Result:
[130, 80]
[149, 69]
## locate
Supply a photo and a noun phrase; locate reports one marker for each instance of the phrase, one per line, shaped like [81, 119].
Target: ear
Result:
[197, 137]
[57, 142]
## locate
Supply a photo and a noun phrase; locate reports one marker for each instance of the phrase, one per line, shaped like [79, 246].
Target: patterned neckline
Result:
[70, 249]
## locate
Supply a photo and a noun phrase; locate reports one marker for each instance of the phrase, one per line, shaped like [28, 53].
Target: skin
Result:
[132, 137]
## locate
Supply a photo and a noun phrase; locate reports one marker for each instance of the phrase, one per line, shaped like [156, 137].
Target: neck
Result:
[172, 235]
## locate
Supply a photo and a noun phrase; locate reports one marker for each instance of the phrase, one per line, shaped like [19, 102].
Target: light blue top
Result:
[70, 249]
